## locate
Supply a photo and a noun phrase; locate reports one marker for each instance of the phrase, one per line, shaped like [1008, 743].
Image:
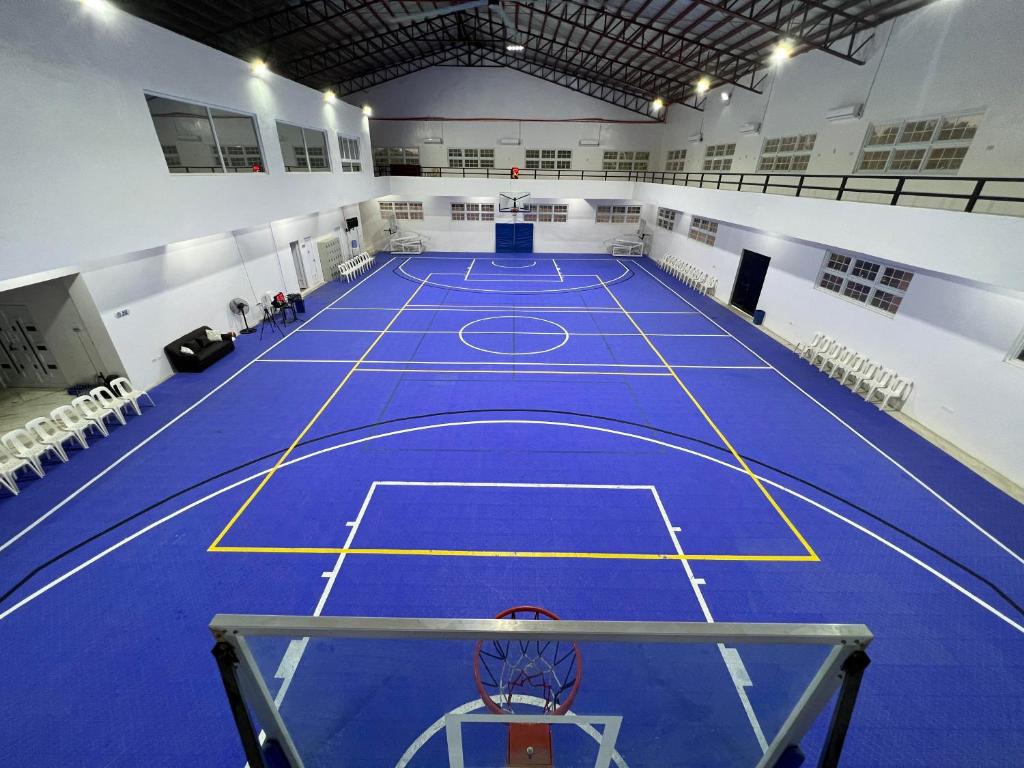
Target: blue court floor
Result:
[455, 434]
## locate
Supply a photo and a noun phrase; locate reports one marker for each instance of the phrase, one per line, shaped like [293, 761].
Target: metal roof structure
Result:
[625, 53]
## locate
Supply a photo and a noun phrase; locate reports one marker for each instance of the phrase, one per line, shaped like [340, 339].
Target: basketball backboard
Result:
[335, 691]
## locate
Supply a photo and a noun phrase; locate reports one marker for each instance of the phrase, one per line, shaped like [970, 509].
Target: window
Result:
[666, 218]
[675, 160]
[470, 158]
[396, 156]
[549, 159]
[718, 157]
[625, 161]
[200, 139]
[618, 214]
[557, 213]
[867, 282]
[472, 212]
[703, 230]
[935, 144]
[304, 149]
[399, 209]
[349, 149]
[788, 153]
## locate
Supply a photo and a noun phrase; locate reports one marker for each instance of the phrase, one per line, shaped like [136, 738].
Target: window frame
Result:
[718, 154]
[897, 128]
[472, 211]
[787, 154]
[675, 160]
[621, 213]
[703, 230]
[1016, 354]
[470, 157]
[667, 218]
[548, 159]
[851, 274]
[382, 156]
[305, 147]
[395, 208]
[344, 160]
[548, 213]
[224, 171]
[631, 160]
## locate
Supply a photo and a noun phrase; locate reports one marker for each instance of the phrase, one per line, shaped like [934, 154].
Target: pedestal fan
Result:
[240, 307]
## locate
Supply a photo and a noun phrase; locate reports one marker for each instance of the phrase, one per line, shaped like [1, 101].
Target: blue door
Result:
[513, 238]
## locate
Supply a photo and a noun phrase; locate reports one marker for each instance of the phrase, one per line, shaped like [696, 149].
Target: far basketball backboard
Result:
[514, 203]
[404, 693]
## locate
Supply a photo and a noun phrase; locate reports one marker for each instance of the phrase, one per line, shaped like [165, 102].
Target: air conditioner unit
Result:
[433, 140]
[849, 112]
[748, 128]
[590, 142]
[510, 141]
[695, 138]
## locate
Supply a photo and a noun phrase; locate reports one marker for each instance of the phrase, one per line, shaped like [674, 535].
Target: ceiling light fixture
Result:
[367, 110]
[329, 97]
[259, 67]
[515, 47]
[703, 84]
[725, 96]
[782, 51]
[657, 105]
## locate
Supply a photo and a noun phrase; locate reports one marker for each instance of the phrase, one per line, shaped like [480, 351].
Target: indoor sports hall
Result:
[512, 384]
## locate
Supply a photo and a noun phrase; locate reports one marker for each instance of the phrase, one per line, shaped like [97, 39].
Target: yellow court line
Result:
[511, 553]
[302, 434]
[725, 441]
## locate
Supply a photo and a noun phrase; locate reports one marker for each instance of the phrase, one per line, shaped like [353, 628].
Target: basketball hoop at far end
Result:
[522, 677]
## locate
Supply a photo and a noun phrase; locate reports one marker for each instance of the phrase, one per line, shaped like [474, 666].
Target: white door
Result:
[300, 269]
[312, 262]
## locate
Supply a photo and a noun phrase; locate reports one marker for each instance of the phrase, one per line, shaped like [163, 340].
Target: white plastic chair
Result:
[92, 412]
[21, 443]
[840, 359]
[70, 420]
[46, 432]
[9, 467]
[110, 401]
[854, 362]
[124, 389]
[820, 353]
[894, 394]
[879, 381]
[804, 348]
[865, 373]
[833, 353]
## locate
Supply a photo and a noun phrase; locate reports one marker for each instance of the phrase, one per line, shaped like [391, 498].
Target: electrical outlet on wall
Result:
[121, 313]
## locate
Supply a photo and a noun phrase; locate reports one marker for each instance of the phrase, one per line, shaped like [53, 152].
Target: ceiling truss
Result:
[626, 53]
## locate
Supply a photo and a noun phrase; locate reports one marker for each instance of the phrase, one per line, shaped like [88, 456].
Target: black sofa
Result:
[206, 352]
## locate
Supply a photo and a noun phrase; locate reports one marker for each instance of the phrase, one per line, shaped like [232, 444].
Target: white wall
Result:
[90, 181]
[580, 234]
[950, 56]
[950, 336]
[461, 99]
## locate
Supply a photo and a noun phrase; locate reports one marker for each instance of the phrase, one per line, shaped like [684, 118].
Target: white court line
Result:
[492, 307]
[174, 420]
[835, 416]
[426, 281]
[740, 682]
[535, 422]
[427, 257]
[516, 266]
[563, 333]
[526, 363]
[546, 372]
[518, 333]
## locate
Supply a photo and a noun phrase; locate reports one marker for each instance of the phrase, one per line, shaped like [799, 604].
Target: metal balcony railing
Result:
[997, 195]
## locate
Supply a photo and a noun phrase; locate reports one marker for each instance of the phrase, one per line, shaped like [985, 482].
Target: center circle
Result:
[513, 335]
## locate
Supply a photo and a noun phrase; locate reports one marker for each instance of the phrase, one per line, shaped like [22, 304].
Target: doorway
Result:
[513, 238]
[749, 281]
[300, 268]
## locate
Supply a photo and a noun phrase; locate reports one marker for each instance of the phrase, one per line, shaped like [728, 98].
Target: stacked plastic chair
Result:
[866, 377]
[689, 274]
[351, 269]
[48, 437]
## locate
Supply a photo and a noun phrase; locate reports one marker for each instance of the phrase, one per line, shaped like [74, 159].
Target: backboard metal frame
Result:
[843, 666]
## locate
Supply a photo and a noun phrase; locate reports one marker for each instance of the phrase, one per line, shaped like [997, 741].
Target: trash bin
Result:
[298, 302]
[758, 316]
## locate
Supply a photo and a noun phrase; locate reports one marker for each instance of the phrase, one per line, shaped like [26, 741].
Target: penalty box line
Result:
[348, 549]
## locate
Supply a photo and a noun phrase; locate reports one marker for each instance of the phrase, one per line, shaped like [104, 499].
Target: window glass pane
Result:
[882, 135]
[906, 159]
[831, 282]
[185, 135]
[239, 143]
[316, 149]
[838, 262]
[856, 291]
[916, 131]
[957, 129]
[292, 148]
[945, 158]
[874, 161]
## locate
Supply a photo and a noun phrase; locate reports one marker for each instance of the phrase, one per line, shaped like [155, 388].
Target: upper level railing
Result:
[996, 195]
